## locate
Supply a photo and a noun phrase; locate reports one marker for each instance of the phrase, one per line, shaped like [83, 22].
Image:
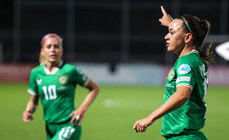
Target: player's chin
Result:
[53, 60]
[170, 49]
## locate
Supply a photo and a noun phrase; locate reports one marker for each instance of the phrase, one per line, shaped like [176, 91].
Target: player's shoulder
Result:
[71, 67]
[189, 62]
[192, 58]
[37, 69]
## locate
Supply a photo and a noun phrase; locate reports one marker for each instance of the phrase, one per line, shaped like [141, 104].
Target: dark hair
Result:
[199, 29]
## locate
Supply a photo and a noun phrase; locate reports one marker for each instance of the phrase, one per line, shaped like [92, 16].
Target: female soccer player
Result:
[54, 82]
[184, 108]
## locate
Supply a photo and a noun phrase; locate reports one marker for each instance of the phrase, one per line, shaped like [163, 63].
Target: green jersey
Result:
[56, 90]
[189, 71]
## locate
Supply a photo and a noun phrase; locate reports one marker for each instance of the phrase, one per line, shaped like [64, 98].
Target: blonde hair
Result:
[41, 59]
[53, 35]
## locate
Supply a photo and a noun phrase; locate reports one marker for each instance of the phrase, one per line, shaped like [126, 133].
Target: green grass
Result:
[111, 116]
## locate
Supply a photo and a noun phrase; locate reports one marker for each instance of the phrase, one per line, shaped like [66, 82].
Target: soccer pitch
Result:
[111, 116]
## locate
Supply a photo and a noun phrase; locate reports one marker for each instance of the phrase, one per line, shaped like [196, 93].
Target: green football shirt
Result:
[56, 90]
[189, 71]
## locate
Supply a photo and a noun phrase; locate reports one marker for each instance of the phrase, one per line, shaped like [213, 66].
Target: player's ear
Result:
[188, 37]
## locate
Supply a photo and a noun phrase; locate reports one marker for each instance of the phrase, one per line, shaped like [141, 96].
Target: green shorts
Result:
[63, 131]
[191, 135]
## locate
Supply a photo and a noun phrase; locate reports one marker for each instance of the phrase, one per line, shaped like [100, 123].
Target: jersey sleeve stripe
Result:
[85, 84]
[31, 92]
[185, 85]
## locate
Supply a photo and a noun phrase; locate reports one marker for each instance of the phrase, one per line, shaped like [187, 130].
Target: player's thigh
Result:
[68, 133]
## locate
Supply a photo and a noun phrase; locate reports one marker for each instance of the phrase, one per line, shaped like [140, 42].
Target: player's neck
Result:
[51, 66]
[186, 50]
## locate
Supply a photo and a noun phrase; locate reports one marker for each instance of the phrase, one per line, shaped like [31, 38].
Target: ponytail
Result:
[200, 30]
[206, 55]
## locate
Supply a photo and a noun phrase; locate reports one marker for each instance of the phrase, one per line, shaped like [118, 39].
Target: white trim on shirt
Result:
[185, 85]
[31, 92]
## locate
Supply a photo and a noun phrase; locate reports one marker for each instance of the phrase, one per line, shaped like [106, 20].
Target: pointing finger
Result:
[163, 11]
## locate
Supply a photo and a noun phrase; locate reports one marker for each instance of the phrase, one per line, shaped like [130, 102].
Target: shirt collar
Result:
[54, 70]
[195, 51]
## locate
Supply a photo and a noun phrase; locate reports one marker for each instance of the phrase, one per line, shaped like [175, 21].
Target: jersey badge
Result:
[184, 69]
[171, 75]
[63, 79]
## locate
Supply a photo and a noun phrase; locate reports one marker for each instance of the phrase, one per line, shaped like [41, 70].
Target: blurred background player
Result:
[54, 82]
[184, 108]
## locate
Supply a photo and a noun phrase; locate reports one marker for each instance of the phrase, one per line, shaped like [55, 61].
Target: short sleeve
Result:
[33, 89]
[185, 76]
[79, 77]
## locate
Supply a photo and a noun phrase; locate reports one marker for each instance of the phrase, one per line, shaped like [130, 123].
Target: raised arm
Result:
[166, 19]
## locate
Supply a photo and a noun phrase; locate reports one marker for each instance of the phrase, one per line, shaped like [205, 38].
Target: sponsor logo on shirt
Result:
[63, 79]
[169, 85]
[183, 79]
[62, 88]
[184, 69]
[171, 75]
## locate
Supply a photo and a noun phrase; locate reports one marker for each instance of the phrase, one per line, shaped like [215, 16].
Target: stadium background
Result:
[120, 44]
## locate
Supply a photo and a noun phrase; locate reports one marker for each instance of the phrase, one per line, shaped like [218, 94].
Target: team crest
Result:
[171, 75]
[63, 79]
[184, 69]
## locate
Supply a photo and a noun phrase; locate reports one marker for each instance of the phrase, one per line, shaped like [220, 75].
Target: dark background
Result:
[102, 31]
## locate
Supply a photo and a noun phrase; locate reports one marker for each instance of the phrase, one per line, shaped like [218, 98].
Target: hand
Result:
[27, 116]
[77, 117]
[166, 18]
[141, 125]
